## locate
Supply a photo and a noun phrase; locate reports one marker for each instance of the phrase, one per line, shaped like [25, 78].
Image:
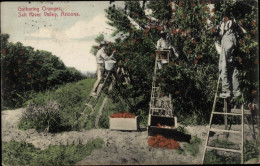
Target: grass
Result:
[224, 144]
[21, 153]
[251, 151]
[193, 146]
[71, 99]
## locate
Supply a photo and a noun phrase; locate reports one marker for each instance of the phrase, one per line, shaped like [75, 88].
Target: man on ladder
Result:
[164, 43]
[100, 58]
[229, 31]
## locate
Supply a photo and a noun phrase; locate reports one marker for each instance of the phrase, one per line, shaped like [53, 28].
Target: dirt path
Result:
[120, 147]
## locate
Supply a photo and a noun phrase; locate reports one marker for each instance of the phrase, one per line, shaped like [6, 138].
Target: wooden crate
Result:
[124, 123]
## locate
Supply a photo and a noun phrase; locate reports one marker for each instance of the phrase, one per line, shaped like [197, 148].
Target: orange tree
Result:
[24, 70]
[190, 78]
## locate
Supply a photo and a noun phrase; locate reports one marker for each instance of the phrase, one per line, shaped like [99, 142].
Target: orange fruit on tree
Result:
[213, 30]
[212, 10]
[174, 31]
[226, 18]
[254, 92]
[192, 4]
[239, 60]
[253, 23]
[21, 52]
[159, 28]
[241, 42]
[195, 61]
[162, 79]
[19, 61]
[253, 31]
[3, 51]
[180, 4]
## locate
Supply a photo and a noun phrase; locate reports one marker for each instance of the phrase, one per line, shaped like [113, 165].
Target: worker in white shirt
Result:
[101, 56]
[164, 43]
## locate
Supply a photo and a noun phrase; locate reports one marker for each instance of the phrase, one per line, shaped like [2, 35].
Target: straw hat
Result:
[103, 43]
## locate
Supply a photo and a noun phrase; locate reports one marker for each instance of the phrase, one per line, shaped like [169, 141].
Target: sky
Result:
[68, 37]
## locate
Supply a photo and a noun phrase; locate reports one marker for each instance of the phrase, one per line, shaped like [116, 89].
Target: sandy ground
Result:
[120, 147]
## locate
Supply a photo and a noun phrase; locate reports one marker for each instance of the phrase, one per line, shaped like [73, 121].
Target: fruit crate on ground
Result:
[124, 122]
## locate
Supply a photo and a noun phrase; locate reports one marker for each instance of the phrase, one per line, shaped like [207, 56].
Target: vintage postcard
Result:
[130, 82]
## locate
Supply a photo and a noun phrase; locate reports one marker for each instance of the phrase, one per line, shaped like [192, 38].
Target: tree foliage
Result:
[24, 69]
[192, 77]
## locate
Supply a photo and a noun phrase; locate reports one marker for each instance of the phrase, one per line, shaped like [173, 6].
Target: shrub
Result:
[42, 117]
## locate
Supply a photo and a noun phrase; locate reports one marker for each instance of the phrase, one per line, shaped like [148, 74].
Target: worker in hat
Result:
[229, 30]
[164, 43]
[101, 57]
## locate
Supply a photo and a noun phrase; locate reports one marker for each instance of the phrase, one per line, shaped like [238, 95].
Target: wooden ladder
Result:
[233, 112]
[154, 110]
[101, 84]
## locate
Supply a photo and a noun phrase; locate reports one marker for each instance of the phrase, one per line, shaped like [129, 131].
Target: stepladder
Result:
[92, 99]
[226, 133]
[160, 107]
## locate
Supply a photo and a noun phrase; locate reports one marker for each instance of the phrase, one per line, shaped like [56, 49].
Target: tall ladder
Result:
[233, 112]
[163, 112]
[100, 87]
[113, 74]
